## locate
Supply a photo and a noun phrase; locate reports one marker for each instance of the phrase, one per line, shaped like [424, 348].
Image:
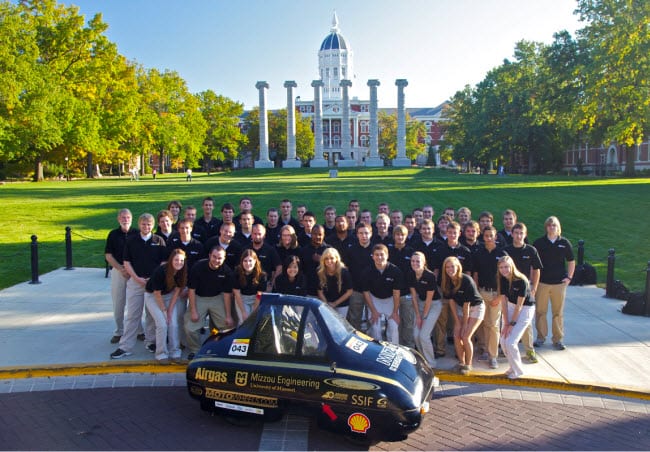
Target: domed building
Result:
[335, 63]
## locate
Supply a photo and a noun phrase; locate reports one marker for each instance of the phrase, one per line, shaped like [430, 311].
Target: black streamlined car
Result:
[298, 350]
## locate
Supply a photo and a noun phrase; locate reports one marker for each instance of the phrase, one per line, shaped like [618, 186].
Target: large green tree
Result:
[616, 103]
[223, 138]
[172, 124]
[277, 129]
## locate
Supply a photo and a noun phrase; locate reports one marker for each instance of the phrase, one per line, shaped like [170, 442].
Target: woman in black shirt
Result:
[249, 283]
[426, 304]
[291, 281]
[518, 312]
[467, 308]
[335, 281]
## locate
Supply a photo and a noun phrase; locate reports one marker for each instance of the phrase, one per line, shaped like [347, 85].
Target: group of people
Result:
[411, 279]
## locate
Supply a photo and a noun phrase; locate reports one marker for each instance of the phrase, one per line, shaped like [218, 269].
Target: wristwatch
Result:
[513, 323]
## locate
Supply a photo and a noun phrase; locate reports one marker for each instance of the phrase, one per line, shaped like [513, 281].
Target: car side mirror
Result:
[333, 366]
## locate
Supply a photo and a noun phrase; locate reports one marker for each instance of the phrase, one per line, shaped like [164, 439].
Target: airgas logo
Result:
[211, 376]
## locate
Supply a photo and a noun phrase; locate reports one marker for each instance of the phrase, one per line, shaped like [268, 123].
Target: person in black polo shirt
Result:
[518, 312]
[426, 304]
[358, 259]
[310, 255]
[381, 290]
[266, 254]
[208, 224]
[114, 253]
[485, 277]
[340, 238]
[559, 265]
[142, 254]
[226, 240]
[468, 309]
[399, 253]
[335, 282]
[210, 292]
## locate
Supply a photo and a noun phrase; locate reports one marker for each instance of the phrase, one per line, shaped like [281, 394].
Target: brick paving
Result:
[149, 412]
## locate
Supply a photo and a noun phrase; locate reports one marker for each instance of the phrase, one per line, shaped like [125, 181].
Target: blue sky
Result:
[439, 46]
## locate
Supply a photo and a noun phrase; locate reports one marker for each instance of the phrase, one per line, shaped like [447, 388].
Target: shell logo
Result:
[359, 422]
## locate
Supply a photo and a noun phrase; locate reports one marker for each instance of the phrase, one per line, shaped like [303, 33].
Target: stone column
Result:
[263, 159]
[401, 159]
[291, 161]
[373, 158]
[318, 161]
[345, 126]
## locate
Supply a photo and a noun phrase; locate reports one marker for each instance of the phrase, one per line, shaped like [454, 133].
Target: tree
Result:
[617, 84]
[387, 135]
[415, 133]
[173, 124]
[223, 138]
[277, 128]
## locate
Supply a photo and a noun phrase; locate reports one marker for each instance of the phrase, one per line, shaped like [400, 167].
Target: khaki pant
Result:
[204, 305]
[556, 293]
[442, 326]
[490, 328]
[406, 321]
[355, 310]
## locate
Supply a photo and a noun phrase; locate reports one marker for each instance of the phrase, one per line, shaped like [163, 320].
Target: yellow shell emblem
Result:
[359, 422]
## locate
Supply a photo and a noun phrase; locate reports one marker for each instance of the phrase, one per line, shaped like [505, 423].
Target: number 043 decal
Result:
[239, 347]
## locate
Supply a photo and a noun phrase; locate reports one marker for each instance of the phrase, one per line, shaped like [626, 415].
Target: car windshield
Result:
[339, 327]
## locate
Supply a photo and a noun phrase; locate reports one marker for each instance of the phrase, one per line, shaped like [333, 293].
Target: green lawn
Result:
[606, 213]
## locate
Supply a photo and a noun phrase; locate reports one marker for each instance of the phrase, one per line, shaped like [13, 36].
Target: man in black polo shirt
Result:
[268, 257]
[208, 224]
[484, 271]
[399, 253]
[358, 259]
[273, 227]
[143, 253]
[341, 239]
[559, 265]
[226, 240]
[114, 253]
[210, 292]
[381, 290]
[246, 206]
[310, 255]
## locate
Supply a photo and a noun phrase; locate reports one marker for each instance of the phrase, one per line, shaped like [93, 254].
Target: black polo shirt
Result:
[463, 254]
[286, 252]
[272, 236]
[520, 288]
[296, 287]
[358, 259]
[429, 250]
[249, 288]
[233, 250]
[145, 255]
[158, 281]
[525, 258]
[310, 266]
[116, 240]
[426, 283]
[381, 284]
[210, 228]
[341, 245]
[194, 251]
[466, 293]
[401, 258]
[208, 282]
[485, 264]
[268, 256]
[331, 288]
[554, 256]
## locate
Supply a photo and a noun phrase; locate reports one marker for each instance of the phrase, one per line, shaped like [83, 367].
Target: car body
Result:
[298, 350]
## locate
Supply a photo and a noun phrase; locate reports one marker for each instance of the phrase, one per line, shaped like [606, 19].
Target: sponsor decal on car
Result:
[356, 345]
[211, 376]
[283, 383]
[382, 403]
[235, 407]
[239, 347]
[336, 396]
[238, 397]
[241, 378]
[392, 355]
[358, 423]
[351, 384]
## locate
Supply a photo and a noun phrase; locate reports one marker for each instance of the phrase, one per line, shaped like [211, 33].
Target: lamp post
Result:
[67, 170]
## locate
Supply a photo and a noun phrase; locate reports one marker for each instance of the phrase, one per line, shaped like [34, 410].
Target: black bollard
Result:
[647, 291]
[611, 259]
[34, 248]
[68, 248]
[581, 252]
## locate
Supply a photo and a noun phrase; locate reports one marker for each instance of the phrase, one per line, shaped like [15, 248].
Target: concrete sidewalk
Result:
[63, 326]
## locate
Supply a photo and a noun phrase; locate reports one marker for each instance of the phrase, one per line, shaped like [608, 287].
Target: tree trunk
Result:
[89, 165]
[161, 162]
[38, 169]
[629, 161]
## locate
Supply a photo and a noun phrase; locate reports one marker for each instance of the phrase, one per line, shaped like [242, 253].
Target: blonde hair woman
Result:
[517, 312]
[468, 309]
[334, 281]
